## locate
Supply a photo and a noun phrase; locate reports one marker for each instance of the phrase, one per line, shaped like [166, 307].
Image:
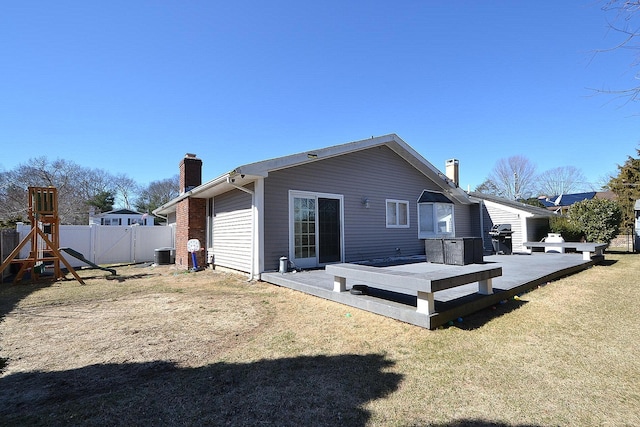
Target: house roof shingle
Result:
[533, 210]
[245, 174]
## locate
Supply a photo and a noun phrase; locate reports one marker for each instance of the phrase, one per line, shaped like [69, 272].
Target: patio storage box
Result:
[434, 250]
[454, 251]
[463, 251]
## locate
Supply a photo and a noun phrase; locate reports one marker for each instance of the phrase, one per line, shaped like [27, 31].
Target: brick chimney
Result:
[452, 171]
[190, 172]
[191, 214]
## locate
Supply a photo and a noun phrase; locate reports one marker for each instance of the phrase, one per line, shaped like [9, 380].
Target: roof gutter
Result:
[194, 192]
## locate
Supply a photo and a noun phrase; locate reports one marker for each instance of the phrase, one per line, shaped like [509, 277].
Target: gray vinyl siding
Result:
[473, 221]
[464, 221]
[232, 230]
[376, 174]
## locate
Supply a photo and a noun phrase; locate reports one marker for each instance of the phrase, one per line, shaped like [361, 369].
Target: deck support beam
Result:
[485, 287]
[426, 303]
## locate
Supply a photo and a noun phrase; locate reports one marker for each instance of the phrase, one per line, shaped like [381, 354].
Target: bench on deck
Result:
[585, 248]
[424, 284]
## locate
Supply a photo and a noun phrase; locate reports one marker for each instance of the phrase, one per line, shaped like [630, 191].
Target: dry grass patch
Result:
[161, 347]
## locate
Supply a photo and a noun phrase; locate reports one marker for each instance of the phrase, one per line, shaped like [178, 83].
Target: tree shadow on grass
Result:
[11, 295]
[320, 390]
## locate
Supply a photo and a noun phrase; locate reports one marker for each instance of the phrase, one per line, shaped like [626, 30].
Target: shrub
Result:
[599, 219]
[570, 231]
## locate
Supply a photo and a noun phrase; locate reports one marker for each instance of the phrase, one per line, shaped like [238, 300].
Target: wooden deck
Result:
[519, 273]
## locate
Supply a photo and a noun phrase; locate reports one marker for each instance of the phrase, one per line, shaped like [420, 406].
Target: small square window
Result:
[397, 214]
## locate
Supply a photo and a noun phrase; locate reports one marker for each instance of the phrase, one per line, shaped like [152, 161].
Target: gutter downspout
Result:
[253, 223]
[482, 233]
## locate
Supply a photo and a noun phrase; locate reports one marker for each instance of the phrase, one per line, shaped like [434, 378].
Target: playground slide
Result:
[81, 257]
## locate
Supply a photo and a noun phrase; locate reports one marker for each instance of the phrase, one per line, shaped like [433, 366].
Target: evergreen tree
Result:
[627, 187]
[103, 201]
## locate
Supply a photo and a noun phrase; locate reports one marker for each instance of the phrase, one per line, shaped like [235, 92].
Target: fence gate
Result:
[114, 244]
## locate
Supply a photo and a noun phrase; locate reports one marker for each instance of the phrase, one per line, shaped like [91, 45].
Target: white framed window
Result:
[397, 213]
[435, 216]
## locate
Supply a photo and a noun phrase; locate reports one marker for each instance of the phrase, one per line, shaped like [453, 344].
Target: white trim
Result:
[259, 225]
[313, 195]
[209, 225]
[397, 225]
[520, 212]
[436, 234]
[482, 208]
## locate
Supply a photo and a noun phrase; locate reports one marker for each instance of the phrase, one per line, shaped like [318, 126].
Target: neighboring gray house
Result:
[344, 203]
[528, 223]
[561, 204]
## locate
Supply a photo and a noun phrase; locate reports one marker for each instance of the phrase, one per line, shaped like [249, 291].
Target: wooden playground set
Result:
[44, 237]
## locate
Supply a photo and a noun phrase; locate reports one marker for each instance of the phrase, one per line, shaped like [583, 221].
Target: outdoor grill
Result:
[501, 239]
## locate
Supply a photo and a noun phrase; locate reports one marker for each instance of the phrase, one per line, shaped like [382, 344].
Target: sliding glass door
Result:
[315, 229]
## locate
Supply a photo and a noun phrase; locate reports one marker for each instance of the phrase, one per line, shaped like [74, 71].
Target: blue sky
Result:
[131, 86]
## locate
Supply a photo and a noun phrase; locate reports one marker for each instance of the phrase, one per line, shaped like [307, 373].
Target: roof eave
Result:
[250, 172]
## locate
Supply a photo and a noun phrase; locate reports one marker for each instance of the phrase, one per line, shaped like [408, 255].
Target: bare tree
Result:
[13, 198]
[512, 178]
[158, 193]
[602, 183]
[488, 187]
[126, 188]
[95, 181]
[94, 188]
[562, 180]
[60, 173]
[622, 18]
[78, 187]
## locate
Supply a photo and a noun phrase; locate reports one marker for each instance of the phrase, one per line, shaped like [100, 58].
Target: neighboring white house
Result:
[528, 223]
[120, 217]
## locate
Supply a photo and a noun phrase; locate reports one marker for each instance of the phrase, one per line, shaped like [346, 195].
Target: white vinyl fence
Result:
[109, 244]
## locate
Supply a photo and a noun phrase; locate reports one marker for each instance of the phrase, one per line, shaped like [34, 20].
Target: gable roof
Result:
[532, 210]
[245, 174]
[119, 212]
